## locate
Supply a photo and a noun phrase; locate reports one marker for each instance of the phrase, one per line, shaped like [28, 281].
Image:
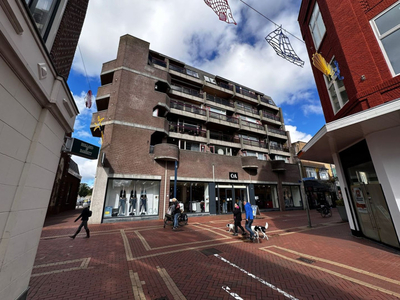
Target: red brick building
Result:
[360, 41]
[228, 141]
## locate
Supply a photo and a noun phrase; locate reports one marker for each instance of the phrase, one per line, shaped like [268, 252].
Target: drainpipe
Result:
[176, 175]
[303, 194]
[165, 186]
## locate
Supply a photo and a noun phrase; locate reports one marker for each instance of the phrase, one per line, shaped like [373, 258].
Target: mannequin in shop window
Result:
[122, 202]
[143, 202]
[132, 202]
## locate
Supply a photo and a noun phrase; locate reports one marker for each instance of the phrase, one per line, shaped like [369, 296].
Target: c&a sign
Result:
[233, 176]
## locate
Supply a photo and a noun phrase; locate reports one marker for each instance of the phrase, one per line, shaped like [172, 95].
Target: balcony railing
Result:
[219, 100]
[157, 61]
[177, 69]
[252, 125]
[245, 92]
[186, 90]
[271, 116]
[189, 129]
[222, 117]
[225, 85]
[268, 101]
[248, 109]
[276, 147]
[260, 144]
[277, 131]
[223, 137]
[188, 107]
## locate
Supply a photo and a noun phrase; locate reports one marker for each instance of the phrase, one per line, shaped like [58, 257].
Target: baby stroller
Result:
[169, 218]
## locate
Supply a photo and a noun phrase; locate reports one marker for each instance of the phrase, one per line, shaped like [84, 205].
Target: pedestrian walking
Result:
[249, 218]
[85, 215]
[237, 218]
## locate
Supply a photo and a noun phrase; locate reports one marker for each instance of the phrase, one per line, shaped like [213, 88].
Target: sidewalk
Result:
[202, 260]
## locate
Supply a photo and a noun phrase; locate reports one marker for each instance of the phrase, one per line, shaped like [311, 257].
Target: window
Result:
[209, 79]
[311, 172]
[192, 73]
[387, 30]
[336, 89]
[323, 174]
[317, 26]
[43, 13]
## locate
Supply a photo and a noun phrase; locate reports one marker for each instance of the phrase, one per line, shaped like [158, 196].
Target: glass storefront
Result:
[193, 195]
[292, 196]
[131, 198]
[266, 196]
[227, 194]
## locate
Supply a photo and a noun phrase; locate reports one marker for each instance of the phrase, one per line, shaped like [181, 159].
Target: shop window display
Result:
[129, 198]
[292, 196]
[266, 196]
[193, 195]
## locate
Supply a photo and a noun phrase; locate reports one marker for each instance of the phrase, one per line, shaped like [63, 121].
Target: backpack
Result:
[90, 213]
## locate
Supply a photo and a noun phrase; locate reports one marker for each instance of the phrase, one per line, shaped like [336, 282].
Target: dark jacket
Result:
[85, 214]
[237, 214]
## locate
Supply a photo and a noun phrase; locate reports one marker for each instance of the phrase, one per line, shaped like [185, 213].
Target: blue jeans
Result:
[248, 227]
[176, 223]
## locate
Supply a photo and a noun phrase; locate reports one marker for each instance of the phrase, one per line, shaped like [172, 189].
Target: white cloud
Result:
[82, 134]
[296, 136]
[191, 33]
[87, 168]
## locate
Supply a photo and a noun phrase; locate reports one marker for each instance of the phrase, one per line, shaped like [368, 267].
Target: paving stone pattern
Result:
[202, 260]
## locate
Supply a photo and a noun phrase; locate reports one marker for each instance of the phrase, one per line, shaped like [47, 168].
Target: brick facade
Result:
[133, 135]
[350, 39]
[66, 41]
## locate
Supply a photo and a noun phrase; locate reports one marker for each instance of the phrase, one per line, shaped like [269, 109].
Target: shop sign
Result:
[83, 149]
[233, 176]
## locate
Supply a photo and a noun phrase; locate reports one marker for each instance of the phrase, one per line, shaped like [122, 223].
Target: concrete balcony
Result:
[278, 165]
[249, 162]
[166, 152]
[95, 120]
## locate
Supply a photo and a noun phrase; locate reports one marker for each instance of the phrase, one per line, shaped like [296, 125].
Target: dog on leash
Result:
[231, 227]
[258, 230]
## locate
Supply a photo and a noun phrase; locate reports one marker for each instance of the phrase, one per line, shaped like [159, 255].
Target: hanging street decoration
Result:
[98, 126]
[320, 63]
[281, 44]
[337, 71]
[88, 99]
[222, 9]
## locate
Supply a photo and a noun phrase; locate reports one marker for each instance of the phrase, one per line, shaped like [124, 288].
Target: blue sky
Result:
[193, 34]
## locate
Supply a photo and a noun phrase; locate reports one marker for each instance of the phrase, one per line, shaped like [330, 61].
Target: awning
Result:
[337, 135]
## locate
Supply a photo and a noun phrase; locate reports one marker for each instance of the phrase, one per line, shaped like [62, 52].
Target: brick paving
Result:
[202, 260]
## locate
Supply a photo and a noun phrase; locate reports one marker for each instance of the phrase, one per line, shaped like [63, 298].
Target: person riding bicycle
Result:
[176, 213]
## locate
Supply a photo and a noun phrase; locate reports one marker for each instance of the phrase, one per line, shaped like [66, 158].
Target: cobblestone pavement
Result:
[202, 260]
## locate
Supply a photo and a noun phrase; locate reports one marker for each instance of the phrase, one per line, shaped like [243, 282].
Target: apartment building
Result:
[172, 130]
[361, 103]
[37, 44]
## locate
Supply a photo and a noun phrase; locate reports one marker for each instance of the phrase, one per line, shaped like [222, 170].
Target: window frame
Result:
[380, 36]
[334, 82]
[313, 24]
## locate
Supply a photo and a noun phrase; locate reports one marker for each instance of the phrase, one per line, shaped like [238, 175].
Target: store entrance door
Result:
[373, 213]
[227, 195]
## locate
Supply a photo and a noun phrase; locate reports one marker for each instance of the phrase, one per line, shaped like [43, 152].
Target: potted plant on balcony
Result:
[341, 209]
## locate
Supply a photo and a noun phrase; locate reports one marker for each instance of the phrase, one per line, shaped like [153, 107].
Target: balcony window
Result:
[209, 79]
[192, 73]
[43, 12]
[387, 30]
[336, 89]
[317, 26]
